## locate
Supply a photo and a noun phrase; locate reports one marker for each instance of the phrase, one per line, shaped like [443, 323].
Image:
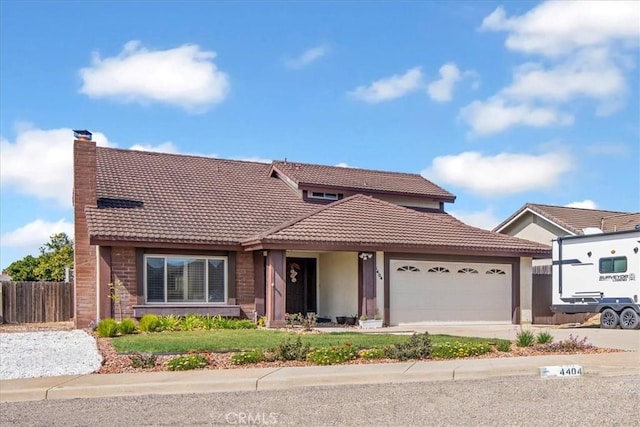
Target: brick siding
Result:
[245, 294]
[123, 268]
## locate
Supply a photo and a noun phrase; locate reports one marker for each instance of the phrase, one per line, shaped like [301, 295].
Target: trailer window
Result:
[613, 265]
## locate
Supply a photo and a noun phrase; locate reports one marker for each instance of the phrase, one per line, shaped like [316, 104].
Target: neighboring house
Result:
[5, 276]
[544, 223]
[187, 234]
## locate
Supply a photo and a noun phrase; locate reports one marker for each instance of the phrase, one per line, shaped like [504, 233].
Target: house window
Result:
[324, 196]
[613, 265]
[438, 270]
[495, 271]
[183, 279]
[468, 270]
[408, 268]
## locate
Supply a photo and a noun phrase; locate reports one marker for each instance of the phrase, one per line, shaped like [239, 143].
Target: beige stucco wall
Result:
[526, 291]
[338, 284]
[536, 233]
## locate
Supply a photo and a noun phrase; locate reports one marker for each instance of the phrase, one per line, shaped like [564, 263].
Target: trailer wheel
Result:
[609, 319]
[629, 319]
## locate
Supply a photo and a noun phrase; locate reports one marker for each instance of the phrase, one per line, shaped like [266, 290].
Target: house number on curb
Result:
[561, 371]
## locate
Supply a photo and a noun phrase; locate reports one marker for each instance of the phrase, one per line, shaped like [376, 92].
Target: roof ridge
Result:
[576, 208]
[413, 174]
[196, 156]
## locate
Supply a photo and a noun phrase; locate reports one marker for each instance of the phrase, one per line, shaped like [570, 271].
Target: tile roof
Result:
[160, 197]
[369, 222]
[361, 179]
[576, 219]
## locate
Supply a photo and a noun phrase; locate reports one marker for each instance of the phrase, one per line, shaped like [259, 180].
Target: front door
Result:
[301, 285]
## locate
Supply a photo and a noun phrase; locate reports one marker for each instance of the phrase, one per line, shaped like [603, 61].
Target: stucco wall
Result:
[536, 233]
[338, 286]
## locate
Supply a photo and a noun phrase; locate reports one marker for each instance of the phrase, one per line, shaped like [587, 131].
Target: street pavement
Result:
[259, 379]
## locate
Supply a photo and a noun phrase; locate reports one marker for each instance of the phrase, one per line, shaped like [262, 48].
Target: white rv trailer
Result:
[598, 273]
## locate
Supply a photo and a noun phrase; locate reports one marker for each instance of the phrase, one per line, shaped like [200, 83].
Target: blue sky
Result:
[499, 103]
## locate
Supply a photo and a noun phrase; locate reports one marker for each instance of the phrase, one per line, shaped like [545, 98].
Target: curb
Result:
[260, 379]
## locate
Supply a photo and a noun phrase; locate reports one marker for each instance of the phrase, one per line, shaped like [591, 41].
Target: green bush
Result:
[569, 345]
[219, 322]
[192, 322]
[290, 350]
[149, 323]
[332, 355]
[308, 321]
[262, 321]
[504, 346]
[127, 326]
[187, 362]
[459, 349]
[107, 328]
[525, 338]
[169, 323]
[373, 353]
[418, 346]
[143, 360]
[247, 357]
[544, 337]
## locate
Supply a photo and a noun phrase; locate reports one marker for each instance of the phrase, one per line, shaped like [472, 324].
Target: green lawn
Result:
[221, 340]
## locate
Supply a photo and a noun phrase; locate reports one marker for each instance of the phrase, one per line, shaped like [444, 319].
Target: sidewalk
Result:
[256, 379]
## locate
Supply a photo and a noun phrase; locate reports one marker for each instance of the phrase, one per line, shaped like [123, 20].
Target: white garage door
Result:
[440, 292]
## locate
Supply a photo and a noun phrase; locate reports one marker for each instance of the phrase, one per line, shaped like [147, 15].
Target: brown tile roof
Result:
[186, 199]
[361, 179]
[576, 219]
[369, 222]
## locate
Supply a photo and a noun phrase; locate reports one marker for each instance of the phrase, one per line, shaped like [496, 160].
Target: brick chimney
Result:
[84, 195]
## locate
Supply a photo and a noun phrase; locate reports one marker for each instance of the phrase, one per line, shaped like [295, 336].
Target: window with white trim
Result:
[185, 279]
[495, 271]
[439, 270]
[324, 196]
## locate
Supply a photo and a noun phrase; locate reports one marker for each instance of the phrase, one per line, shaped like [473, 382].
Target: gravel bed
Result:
[46, 354]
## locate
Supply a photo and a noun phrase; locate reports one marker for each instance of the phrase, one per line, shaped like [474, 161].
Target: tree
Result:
[23, 269]
[55, 257]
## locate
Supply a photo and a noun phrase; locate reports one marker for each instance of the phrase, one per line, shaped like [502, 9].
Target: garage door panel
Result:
[418, 295]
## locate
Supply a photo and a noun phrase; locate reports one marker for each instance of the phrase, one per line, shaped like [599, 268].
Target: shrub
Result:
[525, 338]
[570, 344]
[332, 355]
[262, 321]
[187, 362]
[544, 337]
[191, 322]
[290, 350]
[143, 360]
[247, 357]
[219, 322]
[504, 346]
[373, 353]
[107, 328]
[459, 349]
[127, 326]
[149, 323]
[308, 321]
[169, 323]
[418, 346]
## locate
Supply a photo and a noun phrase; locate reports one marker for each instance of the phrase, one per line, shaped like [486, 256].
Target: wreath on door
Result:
[294, 268]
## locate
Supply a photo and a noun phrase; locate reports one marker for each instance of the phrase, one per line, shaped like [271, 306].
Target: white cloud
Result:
[254, 159]
[165, 147]
[608, 149]
[307, 57]
[36, 233]
[343, 165]
[588, 73]
[585, 204]
[389, 88]
[559, 27]
[185, 76]
[441, 90]
[40, 163]
[482, 219]
[496, 115]
[501, 174]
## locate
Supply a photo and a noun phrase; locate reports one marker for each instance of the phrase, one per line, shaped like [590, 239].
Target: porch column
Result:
[259, 282]
[367, 284]
[526, 291]
[276, 289]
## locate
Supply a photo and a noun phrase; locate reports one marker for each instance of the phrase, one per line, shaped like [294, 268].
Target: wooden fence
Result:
[35, 302]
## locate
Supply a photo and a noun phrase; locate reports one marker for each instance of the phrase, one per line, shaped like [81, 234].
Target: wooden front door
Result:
[301, 285]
